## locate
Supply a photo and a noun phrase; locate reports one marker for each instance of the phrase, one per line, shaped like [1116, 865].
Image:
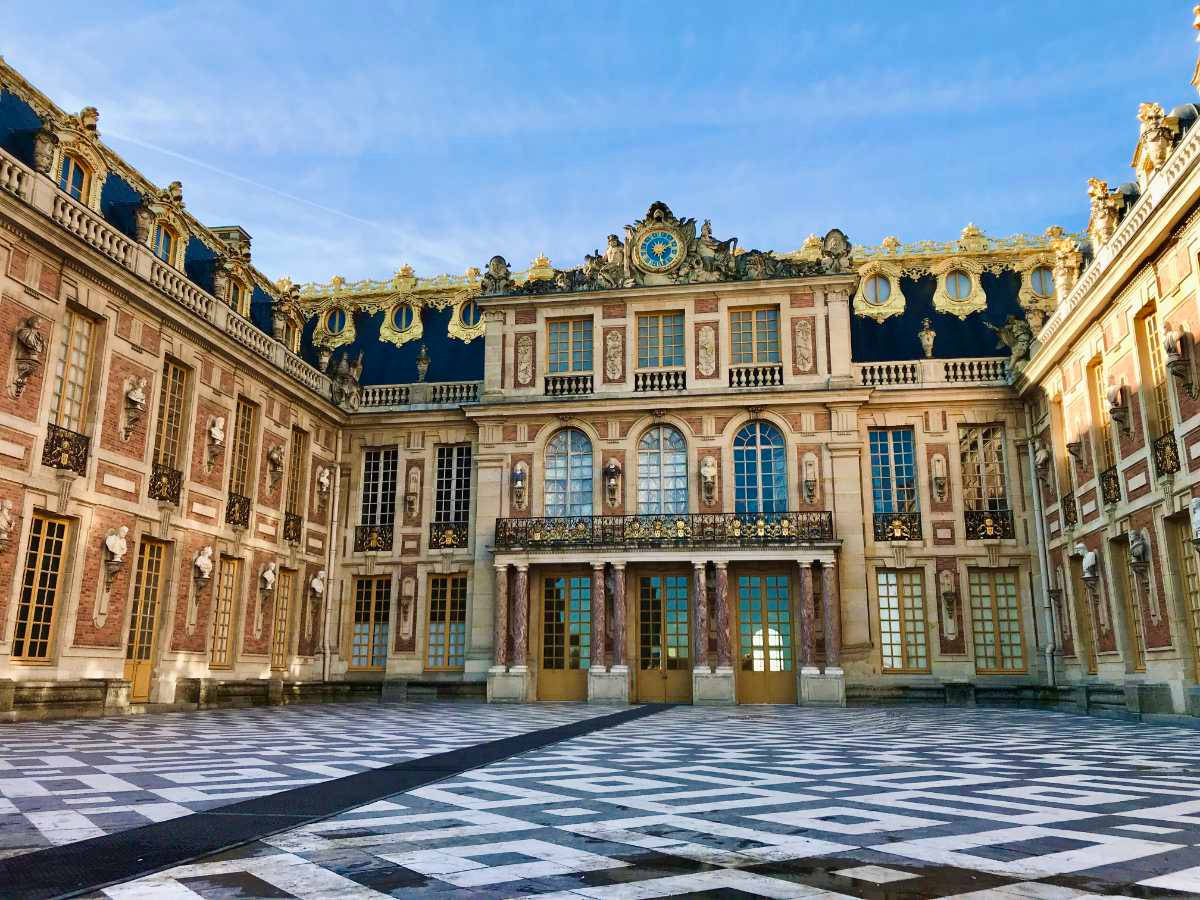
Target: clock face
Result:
[658, 250]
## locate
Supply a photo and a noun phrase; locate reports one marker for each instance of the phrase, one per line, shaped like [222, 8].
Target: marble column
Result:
[724, 648]
[699, 617]
[520, 629]
[500, 619]
[832, 613]
[808, 637]
[619, 636]
[596, 663]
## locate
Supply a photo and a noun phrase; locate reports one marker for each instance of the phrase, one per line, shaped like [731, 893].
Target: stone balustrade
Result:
[926, 372]
[381, 397]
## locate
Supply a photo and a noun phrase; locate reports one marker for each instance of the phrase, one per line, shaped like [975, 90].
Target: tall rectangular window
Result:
[1133, 618]
[296, 472]
[281, 635]
[147, 585]
[902, 628]
[229, 576]
[996, 621]
[72, 371]
[1155, 375]
[981, 452]
[162, 243]
[1098, 399]
[452, 498]
[570, 345]
[40, 587]
[73, 178]
[241, 472]
[169, 431]
[447, 632]
[379, 485]
[372, 609]
[660, 340]
[1189, 574]
[893, 470]
[754, 334]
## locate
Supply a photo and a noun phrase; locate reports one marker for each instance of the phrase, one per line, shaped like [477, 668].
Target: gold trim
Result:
[975, 301]
[459, 329]
[323, 337]
[72, 143]
[1025, 296]
[895, 304]
[391, 334]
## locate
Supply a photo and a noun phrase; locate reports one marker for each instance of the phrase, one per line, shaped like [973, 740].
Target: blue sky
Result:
[351, 138]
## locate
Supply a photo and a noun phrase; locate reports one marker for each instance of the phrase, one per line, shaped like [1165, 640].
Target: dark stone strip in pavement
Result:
[71, 869]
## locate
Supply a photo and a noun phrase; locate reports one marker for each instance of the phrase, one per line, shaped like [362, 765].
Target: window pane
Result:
[568, 481]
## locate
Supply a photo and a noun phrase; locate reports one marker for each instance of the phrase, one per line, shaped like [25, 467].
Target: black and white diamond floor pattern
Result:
[62, 782]
[771, 802]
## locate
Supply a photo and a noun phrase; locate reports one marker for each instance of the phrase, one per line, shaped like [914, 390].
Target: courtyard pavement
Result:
[747, 801]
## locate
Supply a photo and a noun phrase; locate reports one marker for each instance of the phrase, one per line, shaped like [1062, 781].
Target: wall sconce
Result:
[612, 482]
[1118, 406]
[1075, 448]
[938, 467]
[520, 481]
[1041, 462]
[810, 477]
[1178, 346]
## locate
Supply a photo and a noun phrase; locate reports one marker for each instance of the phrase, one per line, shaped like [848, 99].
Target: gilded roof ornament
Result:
[540, 269]
[890, 244]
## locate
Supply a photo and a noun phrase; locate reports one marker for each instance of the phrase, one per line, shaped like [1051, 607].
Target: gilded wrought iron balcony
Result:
[568, 385]
[372, 538]
[165, 484]
[293, 525]
[653, 380]
[237, 511]
[767, 375]
[448, 535]
[1166, 455]
[897, 526]
[1070, 512]
[1110, 486]
[681, 531]
[989, 524]
[66, 450]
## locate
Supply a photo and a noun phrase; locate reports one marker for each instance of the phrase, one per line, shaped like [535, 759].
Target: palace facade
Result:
[682, 470]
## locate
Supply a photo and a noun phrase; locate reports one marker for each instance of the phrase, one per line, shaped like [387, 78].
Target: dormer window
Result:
[73, 178]
[958, 285]
[163, 243]
[1041, 280]
[239, 297]
[877, 290]
[335, 321]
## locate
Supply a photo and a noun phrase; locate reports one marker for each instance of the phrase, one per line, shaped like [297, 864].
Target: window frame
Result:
[974, 477]
[652, 464]
[169, 444]
[452, 484]
[294, 495]
[281, 619]
[577, 354]
[449, 594]
[381, 468]
[657, 357]
[226, 598]
[1100, 416]
[978, 576]
[241, 463]
[379, 612]
[572, 503]
[73, 165]
[892, 492]
[66, 363]
[907, 588]
[164, 252]
[765, 346]
[1154, 375]
[744, 504]
[149, 576]
[31, 591]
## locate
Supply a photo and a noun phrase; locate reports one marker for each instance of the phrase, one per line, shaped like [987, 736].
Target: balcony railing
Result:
[978, 371]
[43, 195]
[448, 393]
[898, 526]
[237, 511]
[372, 538]
[1166, 454]
[448, 535]
[66, 450]
[660, 380]
[568, 385]
[293, 525]
[768, 375]
[1110, 486]
[682, 531]
[165, 484]
[989, 524]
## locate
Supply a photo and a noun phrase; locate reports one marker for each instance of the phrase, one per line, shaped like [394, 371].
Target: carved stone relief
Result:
[524, 368]
[614, 355]
[706, 350]
[803, 359]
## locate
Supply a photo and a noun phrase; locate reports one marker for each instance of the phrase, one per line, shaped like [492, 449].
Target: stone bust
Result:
[117, 544]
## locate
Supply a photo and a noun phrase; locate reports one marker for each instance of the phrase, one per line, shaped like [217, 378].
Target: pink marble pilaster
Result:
[500, 623]
[724, 648]
[699, 616]
[619, 636]
[520, 629]
[597, 643]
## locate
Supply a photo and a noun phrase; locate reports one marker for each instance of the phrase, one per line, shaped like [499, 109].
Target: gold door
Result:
[566, 626]
[766, 651]
[143, 618]
[664, 640]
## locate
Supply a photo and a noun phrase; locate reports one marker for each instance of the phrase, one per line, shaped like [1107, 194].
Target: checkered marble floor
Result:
[772, 802]
[62, 782]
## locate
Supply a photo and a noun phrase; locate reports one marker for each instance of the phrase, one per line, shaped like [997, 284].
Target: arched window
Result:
[568, 490]
[1041, 280]
[163, 244]
[759, 469]
[73, 178]
[662, 471]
